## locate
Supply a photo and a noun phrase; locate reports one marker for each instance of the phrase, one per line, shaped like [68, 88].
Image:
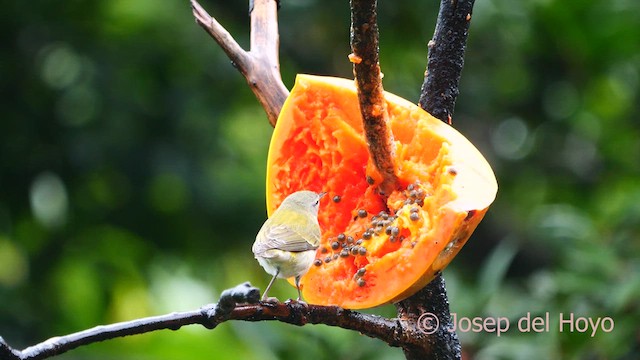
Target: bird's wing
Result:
[286, 238]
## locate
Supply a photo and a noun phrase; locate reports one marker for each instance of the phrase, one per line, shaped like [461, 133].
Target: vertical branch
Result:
[265, 79]
[438, 97]
[366, 68]
[432, 299]
[446, 59]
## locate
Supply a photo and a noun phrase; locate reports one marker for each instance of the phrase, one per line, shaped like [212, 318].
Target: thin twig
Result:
[366, 68]
[238, 303]
[259, 66]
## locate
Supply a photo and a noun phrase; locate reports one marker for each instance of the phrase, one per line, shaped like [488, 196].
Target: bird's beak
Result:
[322, 194]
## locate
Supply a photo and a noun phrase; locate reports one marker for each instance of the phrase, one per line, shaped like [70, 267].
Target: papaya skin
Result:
[375, 249]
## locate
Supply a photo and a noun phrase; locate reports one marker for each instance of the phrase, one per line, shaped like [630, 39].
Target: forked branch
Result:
[259, 66]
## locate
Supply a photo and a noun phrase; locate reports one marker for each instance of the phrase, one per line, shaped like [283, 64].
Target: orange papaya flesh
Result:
[375, 249]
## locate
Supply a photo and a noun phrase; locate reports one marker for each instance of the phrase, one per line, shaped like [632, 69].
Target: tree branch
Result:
[443, 343]
[446, 58]
[438, 97]
[238, 303]
[207, 316]
[260, 66]
[366, 68]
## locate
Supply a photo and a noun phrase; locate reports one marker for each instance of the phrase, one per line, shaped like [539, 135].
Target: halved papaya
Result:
[375, 248]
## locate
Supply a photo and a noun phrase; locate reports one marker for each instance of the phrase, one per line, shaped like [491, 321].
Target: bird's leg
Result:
[264, 295]
[298, 287]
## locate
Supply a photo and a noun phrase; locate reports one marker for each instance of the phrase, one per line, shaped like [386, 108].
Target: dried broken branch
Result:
[259, 66]
[366, 68]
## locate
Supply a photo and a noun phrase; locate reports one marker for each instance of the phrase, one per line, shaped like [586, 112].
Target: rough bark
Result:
[373, 107]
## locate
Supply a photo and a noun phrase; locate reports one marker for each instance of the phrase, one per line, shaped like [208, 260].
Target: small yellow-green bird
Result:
[286, 244]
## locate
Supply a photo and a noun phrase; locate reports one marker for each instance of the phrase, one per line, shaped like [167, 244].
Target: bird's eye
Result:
[316, 203]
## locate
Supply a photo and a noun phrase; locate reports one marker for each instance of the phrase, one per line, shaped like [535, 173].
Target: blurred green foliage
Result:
[132, 171]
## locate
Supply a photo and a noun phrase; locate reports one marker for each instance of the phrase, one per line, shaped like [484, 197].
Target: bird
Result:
[286, 244]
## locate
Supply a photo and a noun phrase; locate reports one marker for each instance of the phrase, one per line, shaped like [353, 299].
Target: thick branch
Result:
[438, 97]
[443, 342]
[446, 59]
[260, 66]
[366, 68]
[239, 303]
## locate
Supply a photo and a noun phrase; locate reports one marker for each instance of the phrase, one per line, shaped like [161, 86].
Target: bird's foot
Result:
[298, 300]
[270, 299]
